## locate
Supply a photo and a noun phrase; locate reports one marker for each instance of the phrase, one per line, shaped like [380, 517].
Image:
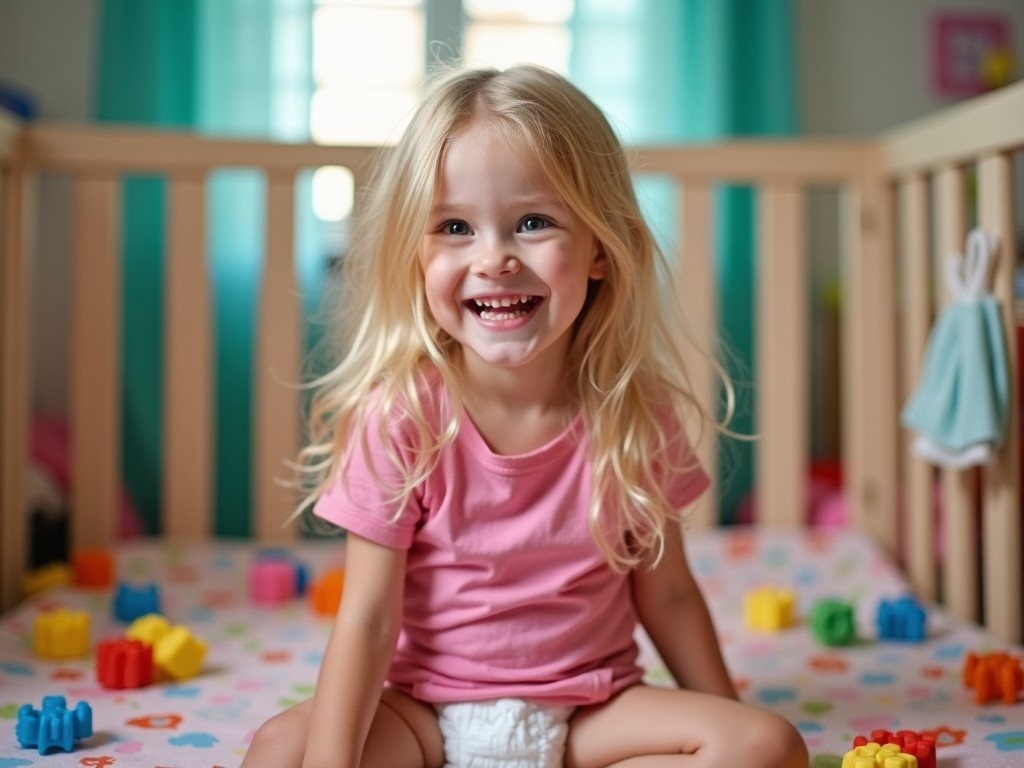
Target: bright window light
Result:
[333, 188]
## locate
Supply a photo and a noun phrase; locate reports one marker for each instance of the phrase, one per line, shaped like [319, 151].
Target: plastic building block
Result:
[873, 755]
[832, 622]
[53, 728]
[48, 577]
[132, 602]
[178, 653]
[148, 629]
[996, 675]
[61, 634]
[93, 568]
[272, 582]
[902, 619]
[325, 594]
[122, 663]
[283, 555]
[908, 742]
[769, 609]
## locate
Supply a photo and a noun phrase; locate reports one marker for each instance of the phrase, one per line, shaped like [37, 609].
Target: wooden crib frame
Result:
[889, 253]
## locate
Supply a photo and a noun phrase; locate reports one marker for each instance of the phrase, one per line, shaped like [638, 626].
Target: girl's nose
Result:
[498, 264]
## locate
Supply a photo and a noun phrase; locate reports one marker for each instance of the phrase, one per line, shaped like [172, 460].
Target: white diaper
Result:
[503, 733]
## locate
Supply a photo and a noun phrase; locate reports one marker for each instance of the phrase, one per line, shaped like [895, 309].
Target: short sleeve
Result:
[682, 474]
[362, 497]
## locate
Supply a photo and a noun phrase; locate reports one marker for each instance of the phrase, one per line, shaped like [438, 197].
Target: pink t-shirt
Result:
[506, 592]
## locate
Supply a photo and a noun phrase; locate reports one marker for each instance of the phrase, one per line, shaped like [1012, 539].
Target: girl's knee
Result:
[775, 742]
[285, 728]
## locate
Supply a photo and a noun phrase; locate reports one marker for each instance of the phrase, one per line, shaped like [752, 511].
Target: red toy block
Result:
[996, 675]
[93, 568]
[909, 742]
[122, 663]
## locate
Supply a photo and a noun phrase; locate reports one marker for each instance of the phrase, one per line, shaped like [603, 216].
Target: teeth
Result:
[505, 301]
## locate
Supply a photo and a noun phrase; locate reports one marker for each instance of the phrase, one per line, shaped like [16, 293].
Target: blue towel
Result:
[959, 409]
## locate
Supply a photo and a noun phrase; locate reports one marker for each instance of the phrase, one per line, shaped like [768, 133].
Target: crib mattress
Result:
[261, 659]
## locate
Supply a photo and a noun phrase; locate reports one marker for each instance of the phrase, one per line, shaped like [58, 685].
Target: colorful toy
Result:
[902, 619]
[48, 577]
[832, 622]
[874, 755]
[769, 609]
[995, 675]
[122, 663]
[61, 634]
[176, 651]
[132, 602]
[283, 555]
[908, 742]
[93, 568]
[53, 728]
[325, 595]
[272, 581]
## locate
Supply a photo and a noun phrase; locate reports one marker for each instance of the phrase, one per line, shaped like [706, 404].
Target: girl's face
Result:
[506, 263]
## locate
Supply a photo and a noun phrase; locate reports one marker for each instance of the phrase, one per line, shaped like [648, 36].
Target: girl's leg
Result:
[646, 727]
[404, 734]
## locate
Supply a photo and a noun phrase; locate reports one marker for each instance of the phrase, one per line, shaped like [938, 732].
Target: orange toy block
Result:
[769, 609]
[61, 634]
[93, 568]
[325, 596]
[996, 675]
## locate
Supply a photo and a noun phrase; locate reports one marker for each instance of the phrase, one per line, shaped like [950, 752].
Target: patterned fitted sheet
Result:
[263, 659]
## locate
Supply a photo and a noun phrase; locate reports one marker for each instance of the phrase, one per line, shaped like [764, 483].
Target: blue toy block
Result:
[131, 602]
[301, 570]
[53, 728]
[902, 619]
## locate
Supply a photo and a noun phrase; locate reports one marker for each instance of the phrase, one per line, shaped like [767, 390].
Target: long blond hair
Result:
[625, 359]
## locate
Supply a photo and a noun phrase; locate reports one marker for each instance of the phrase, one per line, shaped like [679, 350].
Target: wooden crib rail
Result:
[931, 162]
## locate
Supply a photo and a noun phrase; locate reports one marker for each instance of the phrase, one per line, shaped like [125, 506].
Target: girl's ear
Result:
[599, 263]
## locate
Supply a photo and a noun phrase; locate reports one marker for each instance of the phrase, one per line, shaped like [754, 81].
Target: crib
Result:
[903, 199]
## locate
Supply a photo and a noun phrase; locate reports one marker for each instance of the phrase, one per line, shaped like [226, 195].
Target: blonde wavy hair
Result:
[626, 361]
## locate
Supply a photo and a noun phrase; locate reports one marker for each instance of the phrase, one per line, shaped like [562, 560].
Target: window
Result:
[370, 57]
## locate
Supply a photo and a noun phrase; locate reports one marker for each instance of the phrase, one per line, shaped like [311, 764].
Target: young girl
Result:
[504, 443]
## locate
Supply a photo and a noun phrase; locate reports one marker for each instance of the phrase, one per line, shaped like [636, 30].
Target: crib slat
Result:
[16, 186]
[960, 586]
[920, 534]
[188, 405]
[782, 355]
[95, 361]
[277, 366]
[1001, 523]
[869, 395]
[696, 291]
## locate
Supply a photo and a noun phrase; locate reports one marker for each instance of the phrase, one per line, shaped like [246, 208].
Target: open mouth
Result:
[503, 307]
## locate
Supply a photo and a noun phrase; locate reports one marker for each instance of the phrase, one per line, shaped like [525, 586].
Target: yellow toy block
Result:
[148, 629]
[48, 577]
[178, 653]
[61, 634]
[769, 609]
[878, 756]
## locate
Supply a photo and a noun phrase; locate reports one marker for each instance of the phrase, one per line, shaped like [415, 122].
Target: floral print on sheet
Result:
[261, 660]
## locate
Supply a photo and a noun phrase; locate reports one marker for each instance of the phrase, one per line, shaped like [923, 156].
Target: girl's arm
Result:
[673, 611]
[358, 655]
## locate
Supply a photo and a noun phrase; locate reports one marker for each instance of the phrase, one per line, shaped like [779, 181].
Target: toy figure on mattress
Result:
[959, 408]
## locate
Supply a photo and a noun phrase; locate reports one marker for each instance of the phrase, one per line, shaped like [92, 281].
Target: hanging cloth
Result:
[959, 409]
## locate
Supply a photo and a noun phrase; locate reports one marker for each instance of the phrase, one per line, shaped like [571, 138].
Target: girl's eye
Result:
[455, 228]
[534, 223]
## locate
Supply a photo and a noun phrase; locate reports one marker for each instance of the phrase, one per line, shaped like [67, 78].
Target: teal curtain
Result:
[697, 70]
[231, 67]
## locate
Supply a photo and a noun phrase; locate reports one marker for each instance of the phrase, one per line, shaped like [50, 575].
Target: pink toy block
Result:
[272, 582]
